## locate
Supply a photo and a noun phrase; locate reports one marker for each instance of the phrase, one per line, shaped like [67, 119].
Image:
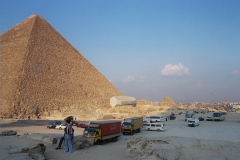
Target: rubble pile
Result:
[172, 148]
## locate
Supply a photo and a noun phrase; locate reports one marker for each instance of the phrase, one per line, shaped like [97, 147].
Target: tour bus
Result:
[155, 118]
[218, 116]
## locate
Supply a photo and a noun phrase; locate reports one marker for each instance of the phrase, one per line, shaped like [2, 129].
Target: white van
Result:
[145, 122]
[155, 127]
[193, 123]
[155, 118]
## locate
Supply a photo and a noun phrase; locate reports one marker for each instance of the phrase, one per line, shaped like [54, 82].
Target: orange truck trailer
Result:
[101, 131]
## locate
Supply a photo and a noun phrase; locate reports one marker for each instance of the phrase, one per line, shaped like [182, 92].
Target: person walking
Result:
[67, 137]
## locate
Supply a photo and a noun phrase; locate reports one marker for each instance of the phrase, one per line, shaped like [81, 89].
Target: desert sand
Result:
[210, 140]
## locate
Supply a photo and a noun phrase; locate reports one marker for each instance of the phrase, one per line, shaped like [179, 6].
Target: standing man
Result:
[67, 137]
[62, 139]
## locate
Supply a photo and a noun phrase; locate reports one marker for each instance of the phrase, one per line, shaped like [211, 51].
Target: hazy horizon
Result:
[186, 50]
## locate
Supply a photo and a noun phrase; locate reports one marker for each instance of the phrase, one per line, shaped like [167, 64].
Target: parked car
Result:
[189, 116]
[193, 123]
[53, 124]
[74, 123]
[201, 119]
[209, 119]
[61, 126]
[155, 127]
[172, 117]
[57, 123]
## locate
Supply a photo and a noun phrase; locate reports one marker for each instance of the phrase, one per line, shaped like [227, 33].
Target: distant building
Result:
[122, 100]
[234, 106]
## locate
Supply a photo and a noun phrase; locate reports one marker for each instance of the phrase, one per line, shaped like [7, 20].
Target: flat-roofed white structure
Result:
[235, 106]
[122, 100]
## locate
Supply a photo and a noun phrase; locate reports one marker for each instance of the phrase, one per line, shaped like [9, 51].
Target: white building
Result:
[234, 106]
[122, 100]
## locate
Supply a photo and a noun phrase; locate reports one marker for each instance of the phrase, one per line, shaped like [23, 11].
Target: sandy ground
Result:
[214, 134]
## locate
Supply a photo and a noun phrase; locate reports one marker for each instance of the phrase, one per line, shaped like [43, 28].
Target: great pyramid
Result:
[41, 71]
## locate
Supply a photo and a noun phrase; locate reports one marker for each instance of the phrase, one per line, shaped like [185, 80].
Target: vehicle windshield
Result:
[216, 114]
[89, 132]
[191, 121]
[126, 124]
[189, 115]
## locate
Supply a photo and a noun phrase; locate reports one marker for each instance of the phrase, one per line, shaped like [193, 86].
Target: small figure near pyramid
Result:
[40, 69]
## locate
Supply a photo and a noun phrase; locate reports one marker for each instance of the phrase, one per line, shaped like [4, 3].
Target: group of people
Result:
[67, 137]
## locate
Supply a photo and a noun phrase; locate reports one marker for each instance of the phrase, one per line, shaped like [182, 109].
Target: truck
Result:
[101, 131]
[132, 125]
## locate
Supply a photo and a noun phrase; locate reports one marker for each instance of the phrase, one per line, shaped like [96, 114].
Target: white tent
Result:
[122, 100]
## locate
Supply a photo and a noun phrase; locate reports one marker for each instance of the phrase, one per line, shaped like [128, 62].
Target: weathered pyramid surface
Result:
[167, 101]
[41, 71]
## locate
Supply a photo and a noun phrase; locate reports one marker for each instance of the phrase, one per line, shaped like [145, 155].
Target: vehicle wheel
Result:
[139, 130]
[112, 139]
[115, 139]
[60, 128]
[123, 133]
[148, 129]
[158, 130]
[97, 142]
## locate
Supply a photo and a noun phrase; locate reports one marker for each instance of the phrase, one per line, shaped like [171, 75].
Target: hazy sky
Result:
[188, 50]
